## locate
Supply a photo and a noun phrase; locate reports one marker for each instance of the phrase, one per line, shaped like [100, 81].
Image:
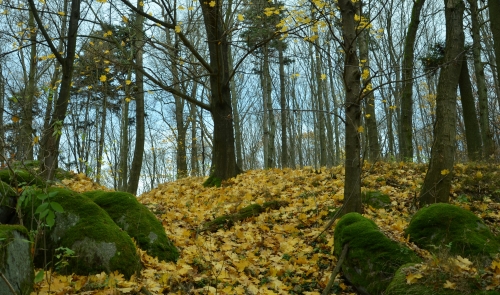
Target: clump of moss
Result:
[84, 227]
[372, 258]
[465, 234]
[226, 221]
[375, 199]
[212, 181]
[431, 278]
[137, 221]
[19, 178]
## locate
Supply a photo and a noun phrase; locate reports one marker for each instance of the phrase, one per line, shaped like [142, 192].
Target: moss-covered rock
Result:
[431, 283]
[372, 258]
[375, 199]
[21, 177]
[137, 221]
[8, 200]
[462, 232]
[16, 263]
[84, 227]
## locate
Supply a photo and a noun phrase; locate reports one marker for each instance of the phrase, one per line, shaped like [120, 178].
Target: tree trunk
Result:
[370, 118]
[124, 139]
[482, 92]
[437, 183]
[3, 156]
[25, 151]
[352, 188]
[406, 125]
[494, 9]
[135, 167]
[49, 147]
[223, 152]
[283, 106]
[472, 134]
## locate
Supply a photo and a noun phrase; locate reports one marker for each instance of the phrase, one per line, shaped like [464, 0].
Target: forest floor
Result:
[277, 251]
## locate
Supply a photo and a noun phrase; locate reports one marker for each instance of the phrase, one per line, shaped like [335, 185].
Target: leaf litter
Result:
[276, 252]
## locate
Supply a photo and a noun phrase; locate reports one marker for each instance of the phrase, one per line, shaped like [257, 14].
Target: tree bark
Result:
[50, 140]
[369, 97]
[482, 91]
[351, 76]
[283, 106]
[437, 183]
[406, 121]
[472, 134]
[223, 152]
[140, 136]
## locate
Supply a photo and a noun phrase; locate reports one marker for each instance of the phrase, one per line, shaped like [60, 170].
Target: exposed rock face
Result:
[16, 263]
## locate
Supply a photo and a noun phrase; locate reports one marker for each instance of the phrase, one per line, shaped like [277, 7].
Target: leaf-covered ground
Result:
[275, 252]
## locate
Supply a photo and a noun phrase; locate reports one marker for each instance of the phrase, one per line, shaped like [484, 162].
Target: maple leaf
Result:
[449, 285]
[241, 17]
[212, 3]
[412, 278]
[103, 78]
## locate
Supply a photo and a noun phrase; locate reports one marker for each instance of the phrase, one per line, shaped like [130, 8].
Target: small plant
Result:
[63, 255]
[46, 210]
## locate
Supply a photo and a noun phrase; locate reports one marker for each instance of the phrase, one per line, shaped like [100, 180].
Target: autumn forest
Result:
[195, 96]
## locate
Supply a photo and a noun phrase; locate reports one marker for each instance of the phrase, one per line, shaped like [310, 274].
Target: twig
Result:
[330, 223]
[326, 291]
[8, 283]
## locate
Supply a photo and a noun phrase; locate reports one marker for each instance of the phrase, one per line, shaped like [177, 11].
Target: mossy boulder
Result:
[21, 177]
[375, 199]
[134, 218]
[16, 263]
[8, 200]
[459, 230]
[84, 227]
[372, 258]
[431, 283]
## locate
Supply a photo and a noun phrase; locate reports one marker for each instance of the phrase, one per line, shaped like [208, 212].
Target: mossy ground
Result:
[21, 178]
[91, 222]
[432, 283]
[226, 221]
[460, 230]
[375, 199]
[137, 221]
[372, 258]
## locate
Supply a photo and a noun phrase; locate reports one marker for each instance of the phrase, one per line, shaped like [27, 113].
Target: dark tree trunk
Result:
[437, 183]
[406, 123]
[140, 133]
[352, 188]
[472, 134]
[50, 141]
[223, 153]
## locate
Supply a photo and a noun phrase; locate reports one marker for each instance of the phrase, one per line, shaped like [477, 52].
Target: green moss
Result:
[7, 195]
[244, 213]
[460, 230]
[137, 221]
[372, 258]
[85, 224]
[375, 199]
[430, 284]
[21, 178]
[212, 181]
[16, 263]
